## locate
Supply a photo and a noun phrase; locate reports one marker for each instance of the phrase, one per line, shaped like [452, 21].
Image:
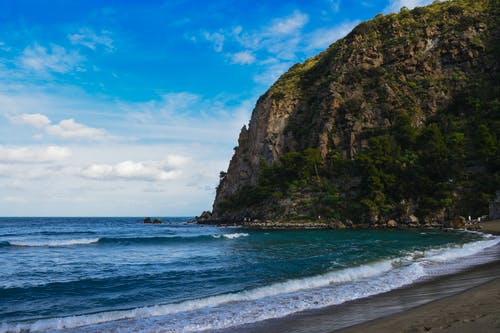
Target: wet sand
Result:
[475, 310]
[467, 301]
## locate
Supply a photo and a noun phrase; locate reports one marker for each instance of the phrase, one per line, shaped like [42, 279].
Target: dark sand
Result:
[475, 310]
[468, 301]
[492, 227]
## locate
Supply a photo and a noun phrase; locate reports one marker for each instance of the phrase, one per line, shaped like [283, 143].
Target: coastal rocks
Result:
[205, 216]
[457, 222]
[412, 221]
[392, 224]
[148, 220]
[335, 224]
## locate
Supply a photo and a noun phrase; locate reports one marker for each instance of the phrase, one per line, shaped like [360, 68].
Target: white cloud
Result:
[70, 129]
[89, 38]
[280, 39]
[179, 101]
[65, 129]
[322, 38]
[186, 117]
[34, 154]
[396, 5]
[168, 169]
[276, 46]
[288, 25]
[216, 38]
[243, 57]
[56, 59]
[34, 119]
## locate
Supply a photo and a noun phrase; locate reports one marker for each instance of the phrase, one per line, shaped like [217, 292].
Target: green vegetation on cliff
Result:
[401, 117]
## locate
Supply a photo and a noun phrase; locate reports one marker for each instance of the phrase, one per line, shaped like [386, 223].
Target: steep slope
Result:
[399, 118]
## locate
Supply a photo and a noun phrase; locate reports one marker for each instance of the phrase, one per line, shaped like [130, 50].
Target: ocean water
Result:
[120, 275]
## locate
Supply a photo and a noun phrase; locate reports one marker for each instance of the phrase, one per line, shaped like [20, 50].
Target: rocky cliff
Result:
[349, 133]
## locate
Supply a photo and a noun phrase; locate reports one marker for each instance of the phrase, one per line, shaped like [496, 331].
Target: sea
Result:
[121, 275]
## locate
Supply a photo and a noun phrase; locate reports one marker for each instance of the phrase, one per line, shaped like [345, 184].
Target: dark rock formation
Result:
[205, 217]
[147, 220]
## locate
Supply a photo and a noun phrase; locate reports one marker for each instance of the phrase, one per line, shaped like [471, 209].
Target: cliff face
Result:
[416, 64]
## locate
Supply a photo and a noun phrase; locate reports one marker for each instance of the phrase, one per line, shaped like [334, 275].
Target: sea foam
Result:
[50, 243]
[231, 236]
[458, 251]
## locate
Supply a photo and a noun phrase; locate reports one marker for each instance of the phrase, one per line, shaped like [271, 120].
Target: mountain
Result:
[397, 121]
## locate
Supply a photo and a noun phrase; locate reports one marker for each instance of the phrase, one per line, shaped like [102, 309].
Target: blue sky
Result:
[131, 108]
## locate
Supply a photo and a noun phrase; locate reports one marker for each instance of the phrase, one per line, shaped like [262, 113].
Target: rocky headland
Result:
[396, 125]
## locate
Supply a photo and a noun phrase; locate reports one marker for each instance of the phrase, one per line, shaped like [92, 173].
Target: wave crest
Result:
[231, 236]
[53, 243]
[120, 240]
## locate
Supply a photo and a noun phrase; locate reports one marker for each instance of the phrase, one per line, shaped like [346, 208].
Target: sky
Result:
[132, 108]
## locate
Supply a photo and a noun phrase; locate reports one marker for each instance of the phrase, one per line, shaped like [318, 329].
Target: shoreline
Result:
[490, 227]
[473, 310]
[464, 301]
[474, 225]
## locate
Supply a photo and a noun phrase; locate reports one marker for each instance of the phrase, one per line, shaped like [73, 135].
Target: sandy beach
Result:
[474, 310]
[491, 227]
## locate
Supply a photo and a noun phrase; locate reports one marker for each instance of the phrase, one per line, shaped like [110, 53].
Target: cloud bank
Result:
[65, 129]
[34, 154]
[168, 169]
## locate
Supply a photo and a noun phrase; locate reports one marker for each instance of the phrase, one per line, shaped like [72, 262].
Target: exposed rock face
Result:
[494, 209]
[457, 222]
[411, 62]
[263, 140]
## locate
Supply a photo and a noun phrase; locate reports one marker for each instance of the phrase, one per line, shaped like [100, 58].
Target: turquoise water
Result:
[104, 274]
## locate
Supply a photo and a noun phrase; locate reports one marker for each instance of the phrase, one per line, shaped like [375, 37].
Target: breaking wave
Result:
[51, 243]
[120, 240]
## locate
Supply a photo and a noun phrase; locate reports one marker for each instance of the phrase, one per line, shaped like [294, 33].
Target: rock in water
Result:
[205, 217]
[157, 221]
[147, 220]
